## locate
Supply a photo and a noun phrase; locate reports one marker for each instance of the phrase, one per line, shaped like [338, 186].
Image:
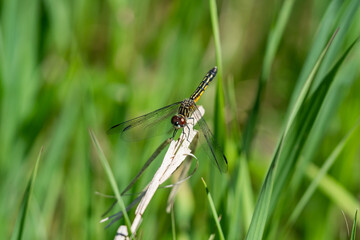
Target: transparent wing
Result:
[155, 123]
[214, 151]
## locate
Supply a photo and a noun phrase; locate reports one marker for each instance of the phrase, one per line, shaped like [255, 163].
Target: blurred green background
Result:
[70, 66]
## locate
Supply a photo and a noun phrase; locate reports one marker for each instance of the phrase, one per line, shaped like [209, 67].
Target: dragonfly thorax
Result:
[186, 108]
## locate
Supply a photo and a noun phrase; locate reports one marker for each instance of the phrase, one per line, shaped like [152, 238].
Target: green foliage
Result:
[70, 66]
[213, 210]
[19, 226]
[353, 232]
[111, 178]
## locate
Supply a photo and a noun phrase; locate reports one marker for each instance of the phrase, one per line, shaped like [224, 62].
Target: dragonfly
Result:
[176, 116]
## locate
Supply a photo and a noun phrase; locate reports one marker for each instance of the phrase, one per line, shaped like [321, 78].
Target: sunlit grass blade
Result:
[306, 87]
[301, 121]
[263, 206]
[345, 78]
[216, 34]
[353, 231]
[242, 208]
[347, 16]
[335, 191]
[320, 41]
[213, 210]
[20, 221]
[272, 46]
[297, 128]
[247, 195]
[219, 122]
[233, 105]
[324, 169]
[219, 115]
[258, 221]
[111, 178]
[339, 15]
[19, 33]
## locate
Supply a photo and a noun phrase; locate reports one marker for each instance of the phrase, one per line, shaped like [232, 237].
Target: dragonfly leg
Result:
[192, 119]
[175, 130]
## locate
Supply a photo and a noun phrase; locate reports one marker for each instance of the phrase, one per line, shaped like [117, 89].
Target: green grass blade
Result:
[213, 210]
[344, 79]
[18, 85]
[263, 206]
[320, 40]
[218, 185]
[242, 208]
[219, 98]
[112, 180]
[294, 137]
[173, 224]
[247, 194]
[353, 231]
[20, 221]
[258, 221]
[324, 169]
[306, 88]
[335, 191]
[216, 33]
[346, 18]
[271, 48]
[301, 124]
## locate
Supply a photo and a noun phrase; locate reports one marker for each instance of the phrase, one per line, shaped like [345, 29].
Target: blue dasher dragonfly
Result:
[180, 113]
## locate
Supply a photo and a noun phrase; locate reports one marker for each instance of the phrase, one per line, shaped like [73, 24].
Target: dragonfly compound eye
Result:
[178, 121]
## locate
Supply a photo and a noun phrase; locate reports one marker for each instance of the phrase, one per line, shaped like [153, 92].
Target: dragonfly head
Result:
[178, 121]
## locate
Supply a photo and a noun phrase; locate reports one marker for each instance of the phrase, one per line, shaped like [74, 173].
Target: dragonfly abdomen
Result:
[203, 85]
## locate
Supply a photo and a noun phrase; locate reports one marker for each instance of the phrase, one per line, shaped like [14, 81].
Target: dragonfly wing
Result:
[216, 152]
[154, 123]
